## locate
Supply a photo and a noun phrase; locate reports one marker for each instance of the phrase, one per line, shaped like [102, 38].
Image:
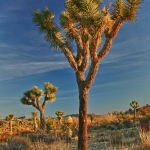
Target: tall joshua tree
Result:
[34, 95]
[9, 118]
[134, 104]
[34, 115]
[84, 23]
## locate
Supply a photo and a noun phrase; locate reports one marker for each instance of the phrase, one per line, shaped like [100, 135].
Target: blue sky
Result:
[26, 59]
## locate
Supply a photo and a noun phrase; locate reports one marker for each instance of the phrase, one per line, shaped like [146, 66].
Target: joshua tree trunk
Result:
[83, 110]
[10, 124]
[134, 114]
[42, 120]
[35, 124]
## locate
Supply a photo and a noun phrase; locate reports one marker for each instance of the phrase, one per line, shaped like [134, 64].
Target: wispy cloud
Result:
[128, 49]
[10, 71]
[126, 82]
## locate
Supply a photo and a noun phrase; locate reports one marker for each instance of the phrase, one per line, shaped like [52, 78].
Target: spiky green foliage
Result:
[126, 10]
[134, 104]
[34, 94]
[49, 91]
[10, 117]
[45, 20]
[59, 114]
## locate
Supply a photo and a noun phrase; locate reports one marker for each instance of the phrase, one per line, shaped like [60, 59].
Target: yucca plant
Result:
[9, 118]
[34, 95]
[92, 117]
[134, 104]
[84, 23]
[18, 123]
[59, 114]
[34, 115]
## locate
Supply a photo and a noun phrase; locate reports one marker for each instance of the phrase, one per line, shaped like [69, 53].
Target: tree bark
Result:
[83, 111]
[10, 123]
[35, 124]
[134, 114]
[42, 120]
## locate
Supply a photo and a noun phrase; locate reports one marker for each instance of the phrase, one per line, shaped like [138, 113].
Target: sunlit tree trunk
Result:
[42, 120]
[83, 111]
[10, 124]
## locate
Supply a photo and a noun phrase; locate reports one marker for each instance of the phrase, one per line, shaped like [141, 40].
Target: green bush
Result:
[48, 127]
[127, 123]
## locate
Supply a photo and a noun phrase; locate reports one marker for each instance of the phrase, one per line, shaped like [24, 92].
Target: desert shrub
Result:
[4, 136]
[48, 127]
[111, 126]
[118, 125]
[109, 118]
[144, 126]
[127, 123]
[145, 119]
[42, 137]
[115, 138]
[40, 145]
[3, 146]
[144, 123]
[90, 128]
[18, 143]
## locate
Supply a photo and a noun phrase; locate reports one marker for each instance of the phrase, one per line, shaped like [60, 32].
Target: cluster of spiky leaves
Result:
[59, 114]
[32, 94]
[10, 117]
[34, 114]
[45, 20]
[126, 10]
[84, 13]
[50, 90]
[35, 93]
[80, 14]
[134, 104]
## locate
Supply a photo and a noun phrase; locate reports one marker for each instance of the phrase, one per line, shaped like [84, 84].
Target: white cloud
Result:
[10, 71]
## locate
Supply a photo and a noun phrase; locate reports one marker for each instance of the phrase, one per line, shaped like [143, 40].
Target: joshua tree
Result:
[92, 117]
[34, 115]
[9, 118]
[84, 23]
[59, 115]
[34, 95]
[19, 123]
[134, 104]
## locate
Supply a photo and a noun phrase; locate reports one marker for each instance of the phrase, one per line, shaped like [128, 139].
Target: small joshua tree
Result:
[134, 104]
[34, 115]
[59, 114]
[18, 123]
[92, 117]
[9, 118]
[34, 95]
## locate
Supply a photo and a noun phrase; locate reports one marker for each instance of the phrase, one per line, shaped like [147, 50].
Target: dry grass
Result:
[98, 138]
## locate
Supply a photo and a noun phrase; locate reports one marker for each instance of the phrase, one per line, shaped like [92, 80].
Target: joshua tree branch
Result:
[44, 103]
[109, 38]
[71, 59]
[92, 74]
